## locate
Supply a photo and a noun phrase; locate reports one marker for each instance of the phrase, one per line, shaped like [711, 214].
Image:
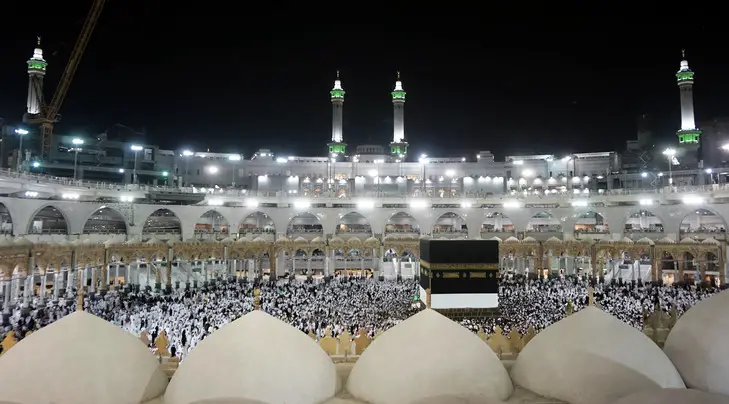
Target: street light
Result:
[76, 143]
[136, 149]
[185, 155]
[212, 170]
[423, 161]
[234, 158]
[20, 132]
[670, 153]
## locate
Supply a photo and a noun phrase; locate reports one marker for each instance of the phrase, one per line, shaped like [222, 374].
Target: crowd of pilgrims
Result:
[189, 315]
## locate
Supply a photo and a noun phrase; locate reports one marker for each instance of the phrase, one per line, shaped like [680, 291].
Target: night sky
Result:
[235, 80]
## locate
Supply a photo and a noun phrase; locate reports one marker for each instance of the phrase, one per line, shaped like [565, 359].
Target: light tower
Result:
[36, 71]
[689, 135]
[398, 147]
[337, 146]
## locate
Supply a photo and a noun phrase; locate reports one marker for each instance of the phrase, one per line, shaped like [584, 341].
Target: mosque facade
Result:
[371, 191]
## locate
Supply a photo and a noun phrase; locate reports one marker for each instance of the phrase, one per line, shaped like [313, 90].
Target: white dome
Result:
[428, 356]
[458, 400]
[694, 345]
[225, 401]
[673, 396]
[80, 359]
[248, 359]
[566, 359]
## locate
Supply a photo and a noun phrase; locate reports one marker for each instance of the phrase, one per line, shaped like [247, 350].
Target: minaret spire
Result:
[337, 147]
[688, 135]
[398, 147]
[36, 71]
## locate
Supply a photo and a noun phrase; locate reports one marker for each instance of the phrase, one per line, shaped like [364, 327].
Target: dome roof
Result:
[673, 396]
[248, 359]
[223, 401]
[645, 241]
[693, 348]
[600, 347]
[453, 399]
[80, 359]
[428, 356]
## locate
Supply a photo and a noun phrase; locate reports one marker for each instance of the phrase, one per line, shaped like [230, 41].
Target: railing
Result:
[566, 195]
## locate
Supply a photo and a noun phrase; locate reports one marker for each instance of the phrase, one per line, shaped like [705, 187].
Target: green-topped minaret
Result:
[36, 71]
[337, 147]
[689, 135]
[398, 147]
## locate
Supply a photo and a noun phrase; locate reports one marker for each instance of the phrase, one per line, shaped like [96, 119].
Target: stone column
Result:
[94, 278]
[42, 291]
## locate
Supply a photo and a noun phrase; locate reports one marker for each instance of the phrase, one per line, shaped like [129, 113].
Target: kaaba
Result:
[460, 278]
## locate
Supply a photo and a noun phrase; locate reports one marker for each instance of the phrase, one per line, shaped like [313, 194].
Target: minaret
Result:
[337, 147]
[689, 135]
[36, 71]
[398, 147]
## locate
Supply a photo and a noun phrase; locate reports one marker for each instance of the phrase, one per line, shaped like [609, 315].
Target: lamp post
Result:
[20, 132]
[379, 176]
[186, 156]
[670, 153]
[234, 158]
[136, 149]
[423, 161]
[76, 147]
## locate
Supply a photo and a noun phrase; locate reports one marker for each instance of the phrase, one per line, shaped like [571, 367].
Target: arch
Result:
[643, 221]
[591, 222]
[6, 220]
[105, 220]
[304, 223]
[257, 223]
[450, 225]
[544, 222]
[497, 222]
[354, 224]
[48, 220]
[402, 223]
[162, 221]
[701, 224]
[211, 222]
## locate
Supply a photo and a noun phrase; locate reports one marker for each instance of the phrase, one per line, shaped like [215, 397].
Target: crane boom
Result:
[49, 113]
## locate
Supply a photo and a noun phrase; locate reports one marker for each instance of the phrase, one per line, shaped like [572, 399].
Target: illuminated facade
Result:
[366, 171]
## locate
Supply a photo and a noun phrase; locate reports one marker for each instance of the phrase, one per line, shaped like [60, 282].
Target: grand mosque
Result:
[327, 208]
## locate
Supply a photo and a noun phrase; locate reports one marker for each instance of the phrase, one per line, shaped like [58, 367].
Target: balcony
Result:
[653, 233]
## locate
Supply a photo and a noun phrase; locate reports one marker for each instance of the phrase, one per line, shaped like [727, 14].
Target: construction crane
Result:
[49, 112]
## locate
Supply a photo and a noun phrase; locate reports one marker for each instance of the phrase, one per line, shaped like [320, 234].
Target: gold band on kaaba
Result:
[459, 267]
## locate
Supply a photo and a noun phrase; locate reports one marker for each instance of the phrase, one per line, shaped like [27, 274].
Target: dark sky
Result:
[239, 79]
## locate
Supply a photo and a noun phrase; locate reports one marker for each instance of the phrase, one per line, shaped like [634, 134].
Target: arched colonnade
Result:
[55, 220]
